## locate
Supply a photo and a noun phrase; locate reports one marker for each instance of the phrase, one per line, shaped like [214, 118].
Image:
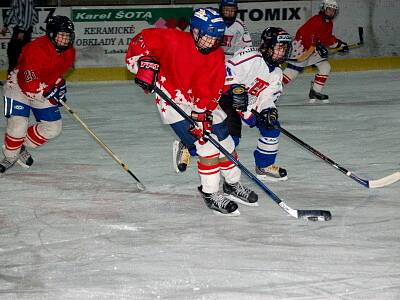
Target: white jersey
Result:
[236, 36]
[263, 82]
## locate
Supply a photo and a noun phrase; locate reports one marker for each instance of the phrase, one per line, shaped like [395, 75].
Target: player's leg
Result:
[324, 69]
[183, 149]
[232, 186]
[209, 171]
[265, 155]
[47, 127]
[290, 73]
[17, 114]
[233, 119]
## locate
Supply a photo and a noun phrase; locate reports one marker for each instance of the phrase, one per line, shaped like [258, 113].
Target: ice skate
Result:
[180, 156]
[271, 173]
[7, 163]
[240, 194]
[317, 98]
[219, 203]
[25, 159]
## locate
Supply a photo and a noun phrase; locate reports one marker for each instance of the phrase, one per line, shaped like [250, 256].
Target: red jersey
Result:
[40, 65]
[185, 73]
[316, 29]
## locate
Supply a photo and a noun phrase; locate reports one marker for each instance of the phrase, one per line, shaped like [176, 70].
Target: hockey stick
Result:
[310, 215]
[352, 46]
[104, 146]
[387, 180]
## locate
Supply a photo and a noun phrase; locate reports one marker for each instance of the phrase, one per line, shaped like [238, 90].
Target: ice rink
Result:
[74, 226]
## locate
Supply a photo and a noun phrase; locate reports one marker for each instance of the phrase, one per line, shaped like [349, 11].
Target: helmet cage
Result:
[61, 32]
[276, 46]
[332, 4]
[207, 28]
[232, 5]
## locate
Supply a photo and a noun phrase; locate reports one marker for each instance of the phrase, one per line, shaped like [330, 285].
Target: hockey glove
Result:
[57, 93]
[240, 98]
[146, 76]
[268, 117]
[322, 51]
[204, 121]
[344, 47]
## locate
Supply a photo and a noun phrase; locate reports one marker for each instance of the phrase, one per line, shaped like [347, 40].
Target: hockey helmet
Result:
[228, 10]
[60, 24]
[332, 5]
[276, 45]
[207, 28]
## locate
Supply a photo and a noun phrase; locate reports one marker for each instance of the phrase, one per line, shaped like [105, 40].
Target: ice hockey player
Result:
[310, 48]
[254, 79]
[190, 68]
[36, 85]
[236, 37]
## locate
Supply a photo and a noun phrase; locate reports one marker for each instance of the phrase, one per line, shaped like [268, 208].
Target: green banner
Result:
[150, 15]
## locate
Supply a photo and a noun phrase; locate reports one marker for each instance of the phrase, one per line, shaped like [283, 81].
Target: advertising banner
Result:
[103, 33]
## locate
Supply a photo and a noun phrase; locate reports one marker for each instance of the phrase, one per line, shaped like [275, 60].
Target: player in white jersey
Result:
[236, 34]
[254, 79]
[236, 37]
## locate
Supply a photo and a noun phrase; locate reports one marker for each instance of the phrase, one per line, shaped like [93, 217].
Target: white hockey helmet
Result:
[332, 4]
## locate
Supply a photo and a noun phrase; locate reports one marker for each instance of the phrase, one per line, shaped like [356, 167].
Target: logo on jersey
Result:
[257, 87]
[18, 107]
[29, 75]
[227, 40]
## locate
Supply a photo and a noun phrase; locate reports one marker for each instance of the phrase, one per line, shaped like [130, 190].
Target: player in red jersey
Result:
[310, 48]
[36, 85]
[190, 68]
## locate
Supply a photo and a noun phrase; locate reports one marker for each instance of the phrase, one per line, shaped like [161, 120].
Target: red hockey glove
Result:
[204, 121]
[57, 93]
[146, 76]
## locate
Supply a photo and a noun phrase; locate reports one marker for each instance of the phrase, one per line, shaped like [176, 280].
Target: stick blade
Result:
[385, 181]
[314, 215]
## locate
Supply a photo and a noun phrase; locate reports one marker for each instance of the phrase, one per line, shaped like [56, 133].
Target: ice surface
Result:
[74, 226]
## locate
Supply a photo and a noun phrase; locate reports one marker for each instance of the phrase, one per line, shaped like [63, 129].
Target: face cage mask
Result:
[271, 52]
[229, 20]
[202, 44]
[61, 48]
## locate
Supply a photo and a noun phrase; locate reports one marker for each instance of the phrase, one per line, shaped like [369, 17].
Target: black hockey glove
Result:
[268, 117]
[344, 47]
[240, 98]
[204, 121]
[57, 93]
[322, 51]
[146, 76]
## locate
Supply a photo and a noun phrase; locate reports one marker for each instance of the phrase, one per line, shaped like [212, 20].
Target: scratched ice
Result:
[75, 227]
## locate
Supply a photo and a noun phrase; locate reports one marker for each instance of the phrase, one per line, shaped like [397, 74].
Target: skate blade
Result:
[271, 179]
[232, 214]
[240, 201]
[25, 166]
[175, 147]
[316, 101]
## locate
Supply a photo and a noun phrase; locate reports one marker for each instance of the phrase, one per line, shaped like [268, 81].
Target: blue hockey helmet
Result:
[228, 10]
[207, 22]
